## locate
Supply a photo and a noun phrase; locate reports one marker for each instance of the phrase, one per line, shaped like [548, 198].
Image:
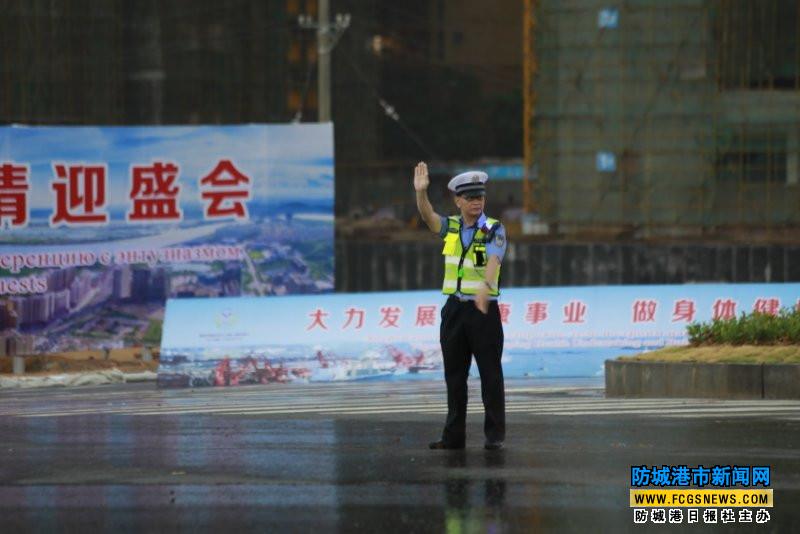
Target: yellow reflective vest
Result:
[465, 270]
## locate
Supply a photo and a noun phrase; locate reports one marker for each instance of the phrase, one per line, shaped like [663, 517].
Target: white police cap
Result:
[469, 182]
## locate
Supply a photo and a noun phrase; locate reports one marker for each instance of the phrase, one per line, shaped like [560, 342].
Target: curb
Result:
[702, 380]
[114, 376]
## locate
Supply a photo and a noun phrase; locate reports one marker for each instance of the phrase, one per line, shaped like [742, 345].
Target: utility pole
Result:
[328, 34]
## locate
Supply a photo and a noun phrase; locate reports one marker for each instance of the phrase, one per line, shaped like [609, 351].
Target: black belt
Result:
[464, 299]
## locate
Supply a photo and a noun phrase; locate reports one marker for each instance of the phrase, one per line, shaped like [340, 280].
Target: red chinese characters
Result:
[154, 193]
[575, 312]
[724, 309]
[13, 195]
[225, 190]
[505, 312]
[352, 313]
[426, 316]
[684, 310]
[80, 195]
[644, 311]
[537, 312]
[318, 315]
[391, 314]
[769, 306]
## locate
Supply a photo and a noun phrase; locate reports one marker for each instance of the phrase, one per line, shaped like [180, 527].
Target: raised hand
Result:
[421, 180]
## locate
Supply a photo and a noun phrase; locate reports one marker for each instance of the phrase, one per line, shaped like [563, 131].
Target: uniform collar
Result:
[475, 225]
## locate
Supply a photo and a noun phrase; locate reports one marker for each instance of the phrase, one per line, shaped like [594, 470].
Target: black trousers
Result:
[465, 331]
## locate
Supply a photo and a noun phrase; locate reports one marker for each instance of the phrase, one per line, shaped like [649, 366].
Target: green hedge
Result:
[748, 329]
[153, 334]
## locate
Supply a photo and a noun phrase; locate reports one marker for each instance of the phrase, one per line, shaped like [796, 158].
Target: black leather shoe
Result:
[493, 445]
[441, 444]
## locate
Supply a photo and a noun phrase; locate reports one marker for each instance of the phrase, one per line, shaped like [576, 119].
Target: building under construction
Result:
[661, 136]
[663, 118]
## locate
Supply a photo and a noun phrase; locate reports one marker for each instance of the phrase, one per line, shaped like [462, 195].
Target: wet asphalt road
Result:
[353, 458]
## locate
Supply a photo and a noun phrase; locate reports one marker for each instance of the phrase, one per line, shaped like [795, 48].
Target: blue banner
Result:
[99, 226]
[549, 332]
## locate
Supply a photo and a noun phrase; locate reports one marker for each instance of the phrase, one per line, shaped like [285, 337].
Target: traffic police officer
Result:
[474, 245]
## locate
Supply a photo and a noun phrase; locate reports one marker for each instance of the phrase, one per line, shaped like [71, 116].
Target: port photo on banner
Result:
[100, 225]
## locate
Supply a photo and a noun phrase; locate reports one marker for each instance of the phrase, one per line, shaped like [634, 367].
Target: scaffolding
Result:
[663, 118]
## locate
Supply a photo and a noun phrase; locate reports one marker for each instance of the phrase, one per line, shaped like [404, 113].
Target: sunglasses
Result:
[474, 196]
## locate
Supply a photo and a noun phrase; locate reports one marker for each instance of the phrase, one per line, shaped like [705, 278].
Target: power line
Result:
[389, 110]
[494, 76]
[306, 84]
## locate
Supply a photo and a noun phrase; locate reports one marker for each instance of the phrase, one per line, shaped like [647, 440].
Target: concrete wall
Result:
[701, 380]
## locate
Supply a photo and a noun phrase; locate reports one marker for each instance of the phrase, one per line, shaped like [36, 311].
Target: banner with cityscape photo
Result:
[551, 332]
[100, 225]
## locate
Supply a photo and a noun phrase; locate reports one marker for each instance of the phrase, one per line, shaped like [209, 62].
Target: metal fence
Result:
[394, 266]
